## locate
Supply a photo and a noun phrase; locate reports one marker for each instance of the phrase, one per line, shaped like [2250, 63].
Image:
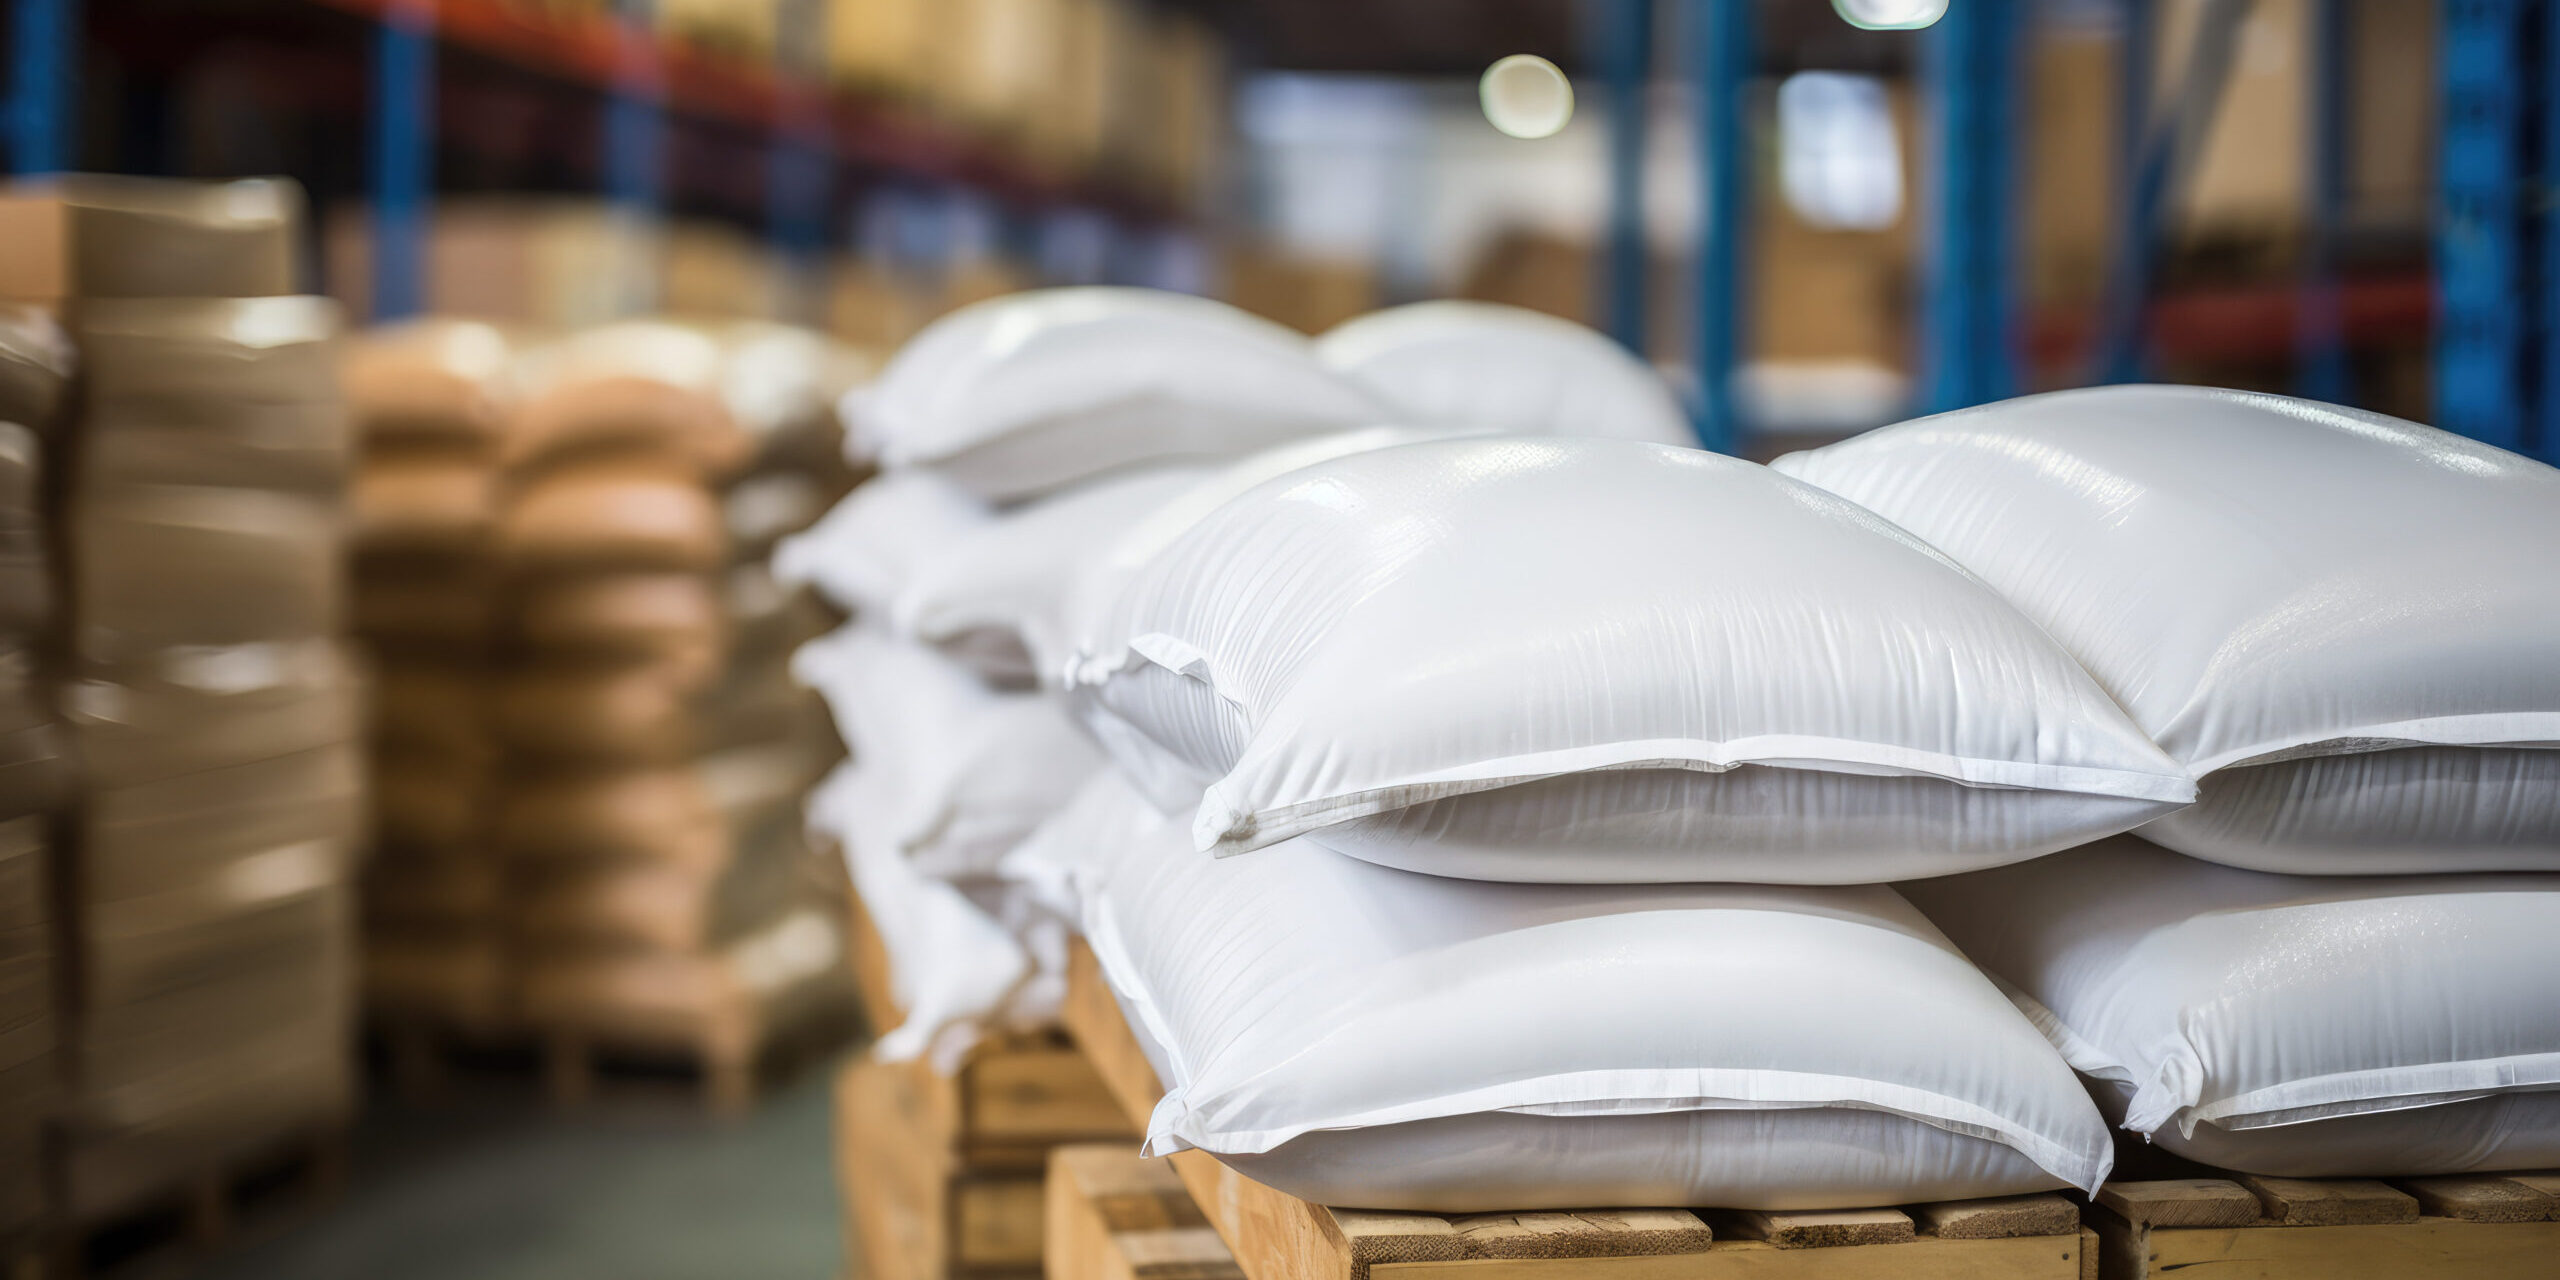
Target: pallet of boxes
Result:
[1500, 825]
[429, 401]
[659, 894]
[204, 869]
[36, 364]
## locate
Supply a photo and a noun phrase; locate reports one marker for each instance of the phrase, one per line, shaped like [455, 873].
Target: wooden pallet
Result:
[1275, 1236]
[941, 1174]
[2486, 1227]
[249, 1193]
[1115, 1215]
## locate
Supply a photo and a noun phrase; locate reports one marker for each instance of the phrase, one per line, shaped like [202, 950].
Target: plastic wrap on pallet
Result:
[1504, 368]
[1366, 1037]
[36, 363]
[2342, 623]
[91, 236]
[2289, 1025]
[1596, 660]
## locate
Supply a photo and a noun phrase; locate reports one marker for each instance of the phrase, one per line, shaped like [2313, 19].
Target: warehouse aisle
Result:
[493, 1185]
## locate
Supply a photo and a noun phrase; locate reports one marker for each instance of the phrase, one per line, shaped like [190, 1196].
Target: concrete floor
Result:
[489, 1183]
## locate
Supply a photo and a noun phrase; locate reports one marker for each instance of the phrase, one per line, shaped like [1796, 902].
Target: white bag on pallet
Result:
[1597, 660]
[1506, 368]
[1030, 392]
[964, 771]
[954, 969]
[1366, 1037]
[861, 554]
[2344, 624]
[994, 597]
[2287, 1025]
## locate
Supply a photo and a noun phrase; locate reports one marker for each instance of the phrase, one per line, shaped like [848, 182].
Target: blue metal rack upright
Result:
[1969, 298]
[1721, 46]
[403, 160]
[1625, 39]
[2482, 328]
[44, 55]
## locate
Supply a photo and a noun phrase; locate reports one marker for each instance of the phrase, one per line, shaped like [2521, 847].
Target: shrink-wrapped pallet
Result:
[429, 401]
[653, 741]
[207, 880]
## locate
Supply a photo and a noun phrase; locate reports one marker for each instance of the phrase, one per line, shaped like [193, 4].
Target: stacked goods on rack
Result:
[35, 362]
[206, 875]
[658, 890]
[430, 403]
[1116, 89]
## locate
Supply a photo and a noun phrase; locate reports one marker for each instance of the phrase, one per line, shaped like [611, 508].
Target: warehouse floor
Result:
[489, 1183]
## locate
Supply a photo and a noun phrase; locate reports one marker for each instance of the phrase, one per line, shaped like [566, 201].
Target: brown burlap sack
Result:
[622, 515]
[425, 505]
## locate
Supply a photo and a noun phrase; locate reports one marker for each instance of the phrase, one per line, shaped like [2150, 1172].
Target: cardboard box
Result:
[156, 567]
[542, 263]
[185, 712]
[104, 236]
[35, 771]
[36, 361]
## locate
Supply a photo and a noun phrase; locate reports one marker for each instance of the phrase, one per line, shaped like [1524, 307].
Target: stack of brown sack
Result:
[429, 402]
[35, 360]
[206, 877]
[660, 889]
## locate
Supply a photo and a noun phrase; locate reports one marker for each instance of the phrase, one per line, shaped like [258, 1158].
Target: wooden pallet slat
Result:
[2472, 1227]
[1275, 1236]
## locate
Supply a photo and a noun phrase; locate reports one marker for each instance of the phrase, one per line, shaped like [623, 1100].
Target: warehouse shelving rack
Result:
[811, 140]
[2492, 293]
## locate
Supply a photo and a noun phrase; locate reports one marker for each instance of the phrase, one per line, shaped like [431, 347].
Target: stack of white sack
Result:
[1363, 1036]
[2298, 1026]
[1027, 445]
[1573, 664]
[2345, 626]
[1016, 438]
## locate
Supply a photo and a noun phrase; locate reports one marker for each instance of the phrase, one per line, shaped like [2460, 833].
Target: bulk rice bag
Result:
[954, 968]
[1505, 368]
[994, 597]
[1099, 578]
[1599, 660]
[863, 553]
[964, 771]
[1361, 1036]
[2344, 624]
[2287, 1025]
[1031, 392]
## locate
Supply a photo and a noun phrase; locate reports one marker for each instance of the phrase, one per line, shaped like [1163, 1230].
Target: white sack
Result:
[865, 551]
[1101, 577]
[1506, 368]
[963, 771]
[2286, 1025]
[994, 597]
[1600, 660]
[2347, 626]
[953, 969]
[1030, 392]
[1360, 1036]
